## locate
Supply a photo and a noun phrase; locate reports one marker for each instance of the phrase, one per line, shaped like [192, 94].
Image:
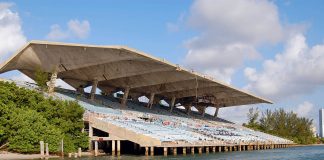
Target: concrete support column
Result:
[80, 90]
[203, 111]
[207, 149]
[118, 147]
[184, 150]
[239, 148]
[79, 152]
[96, 148]
[151, 100]
[188, 109]
[192, 150]
[219, 148]
[146, 151]
[125, 96]
[93, 89]
[42, 152]
[152, 151]
[172, 103]
[200, 150]
[135, 147]
[165, 151]
[225, 149]
[46, 150]
[174, 151]
[62, 148]
[214, 149]
[216, 112]
[51, 84]
[90, 136]
[113, 147]
[230, 148]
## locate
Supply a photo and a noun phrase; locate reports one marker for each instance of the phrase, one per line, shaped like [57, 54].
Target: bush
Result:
[27, 117]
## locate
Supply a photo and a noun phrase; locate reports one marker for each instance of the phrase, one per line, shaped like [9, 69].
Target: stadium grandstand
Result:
[119, 123]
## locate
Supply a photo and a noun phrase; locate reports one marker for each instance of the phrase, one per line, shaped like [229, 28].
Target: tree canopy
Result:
[283, 124]
[27, 117]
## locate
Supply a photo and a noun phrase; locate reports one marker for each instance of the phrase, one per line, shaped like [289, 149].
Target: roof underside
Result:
[119, 67]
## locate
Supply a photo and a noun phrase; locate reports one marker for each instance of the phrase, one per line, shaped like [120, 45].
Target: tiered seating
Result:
[159, 123]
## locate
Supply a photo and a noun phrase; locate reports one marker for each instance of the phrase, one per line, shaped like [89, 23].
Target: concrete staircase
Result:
[123, 133]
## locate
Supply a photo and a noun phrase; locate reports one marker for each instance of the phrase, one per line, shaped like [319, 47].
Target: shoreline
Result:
[5, 155]
[13, 156]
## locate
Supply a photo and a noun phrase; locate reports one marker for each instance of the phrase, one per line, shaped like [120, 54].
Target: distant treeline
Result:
[27, 117]
[283, 124]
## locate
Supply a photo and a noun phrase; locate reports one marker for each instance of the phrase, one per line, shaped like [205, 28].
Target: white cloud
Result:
[230, 32]
[11, 34]
[296, 71]
[75, 29]
[304, 109]
[79, 29]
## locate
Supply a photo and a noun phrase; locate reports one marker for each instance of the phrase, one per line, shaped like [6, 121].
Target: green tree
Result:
[41, 78]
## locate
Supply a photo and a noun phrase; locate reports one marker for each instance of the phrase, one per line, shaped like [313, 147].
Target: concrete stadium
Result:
[118, 123]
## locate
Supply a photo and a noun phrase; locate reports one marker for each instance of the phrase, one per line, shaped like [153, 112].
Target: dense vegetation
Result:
[281, 123]
[27, 117]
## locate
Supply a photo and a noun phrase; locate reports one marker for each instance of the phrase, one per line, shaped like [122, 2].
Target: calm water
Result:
[296, 153]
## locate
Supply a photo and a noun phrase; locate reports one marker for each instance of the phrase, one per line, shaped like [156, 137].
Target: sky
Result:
[274, 49]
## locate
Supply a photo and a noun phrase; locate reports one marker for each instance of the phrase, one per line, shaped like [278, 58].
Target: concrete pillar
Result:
[239, 148]
[230, 148]
[62, 148]
[41, 143]
[118, 147]
[219, 148]
[151, 100]
[96, 148]
[207, 149]
[188, 109]
[90, 136]
[216, 112]
[135, 147]
[214, 149]
[51, 84]
[172, 103]
[174, 151]
[93, 89]
[146, 151]
[234, 148]
[184, 150]
[80, 90]
[125, 96]
[192, 150]
[225, 149]
[203, 111]
[165, 151]
[113, 145]
[152, 151]
[200, 150]
[46, 150]
[79, 152]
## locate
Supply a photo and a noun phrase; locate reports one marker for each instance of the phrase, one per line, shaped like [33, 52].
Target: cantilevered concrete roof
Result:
[120, 67]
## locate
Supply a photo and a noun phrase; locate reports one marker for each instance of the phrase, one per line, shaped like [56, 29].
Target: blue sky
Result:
[271, 48]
